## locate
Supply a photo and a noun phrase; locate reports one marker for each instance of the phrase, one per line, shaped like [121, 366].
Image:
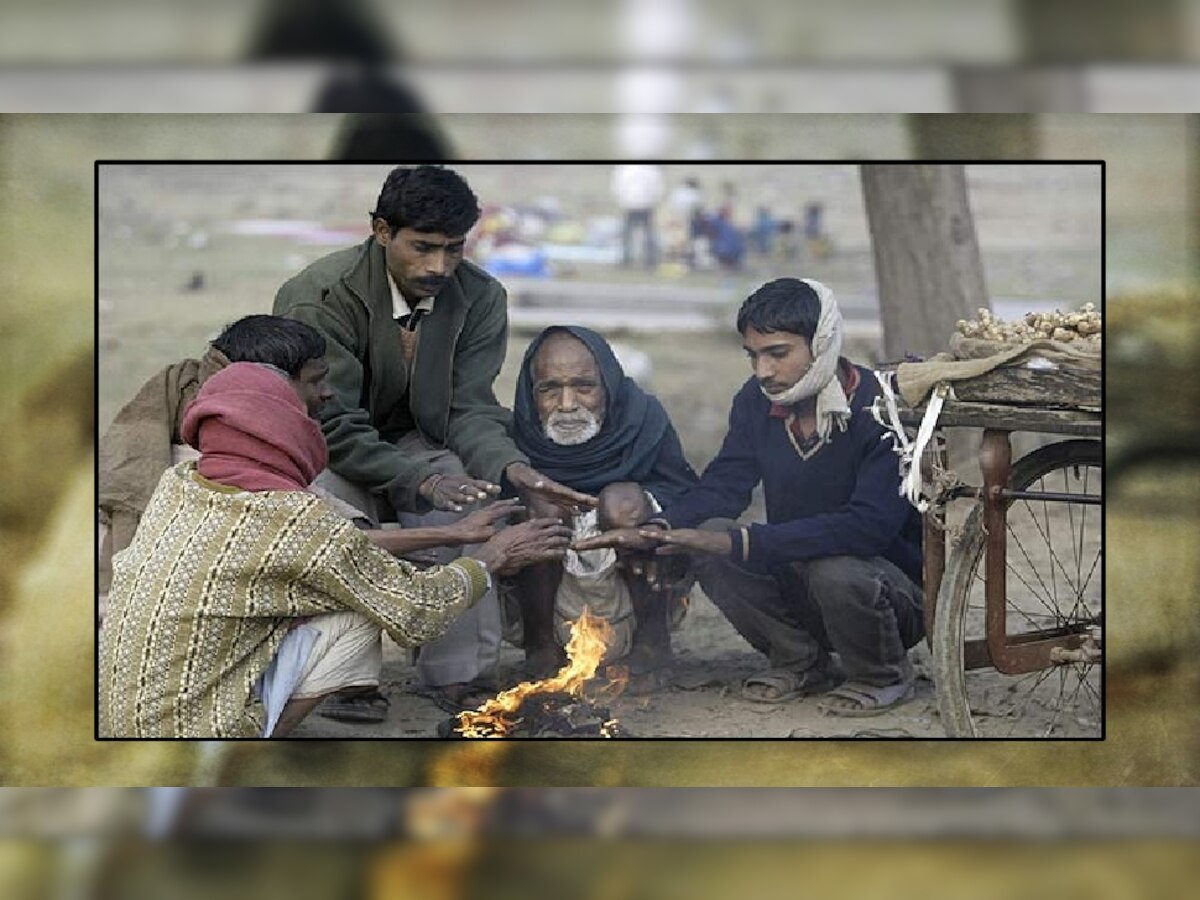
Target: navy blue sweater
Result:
[843, 500]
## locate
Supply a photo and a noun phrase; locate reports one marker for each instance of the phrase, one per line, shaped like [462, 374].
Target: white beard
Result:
[586, 426]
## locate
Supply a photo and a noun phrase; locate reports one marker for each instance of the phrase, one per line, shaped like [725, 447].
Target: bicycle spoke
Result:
[1058, 711]
[1054, 612]
[1070, 702]
[1082, 527]
[1046, 516]
[1087, 581]
[1053, 556]
[1040, 677]
[981, 606]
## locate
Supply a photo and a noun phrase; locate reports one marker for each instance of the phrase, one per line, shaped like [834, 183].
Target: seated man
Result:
[144, 440]
[417, 335]
[837, 566]
[244, 599]
[583, 422]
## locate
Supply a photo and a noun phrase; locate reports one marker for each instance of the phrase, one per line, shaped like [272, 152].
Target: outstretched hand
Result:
[517, 546]
[482, 524]
[660, 574]
[526, 480]
[688, 540]
[453, 492]
[619, 539]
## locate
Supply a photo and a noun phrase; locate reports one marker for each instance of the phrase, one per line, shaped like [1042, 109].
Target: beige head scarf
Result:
[820, 380]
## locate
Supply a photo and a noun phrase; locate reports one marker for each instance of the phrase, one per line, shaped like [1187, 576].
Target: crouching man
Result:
[586, 424]
[244, 599]
[836, 568]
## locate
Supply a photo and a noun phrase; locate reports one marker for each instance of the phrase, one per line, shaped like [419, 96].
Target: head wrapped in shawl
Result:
[636, 441]
[253, 432]
[820, 381]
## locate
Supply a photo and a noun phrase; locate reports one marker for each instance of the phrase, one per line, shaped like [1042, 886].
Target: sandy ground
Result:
[701, 700]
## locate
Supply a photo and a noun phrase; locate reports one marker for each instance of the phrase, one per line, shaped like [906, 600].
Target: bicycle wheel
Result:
[1054, 566]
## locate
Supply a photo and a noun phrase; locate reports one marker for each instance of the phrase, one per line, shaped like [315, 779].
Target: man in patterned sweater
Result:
[244, 599]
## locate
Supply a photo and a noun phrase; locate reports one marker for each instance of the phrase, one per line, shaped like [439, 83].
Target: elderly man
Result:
[416, 337]
[837, 566]
[244, 600]
[581, 420]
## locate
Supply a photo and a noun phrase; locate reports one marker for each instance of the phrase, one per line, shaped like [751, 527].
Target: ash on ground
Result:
[549, 715]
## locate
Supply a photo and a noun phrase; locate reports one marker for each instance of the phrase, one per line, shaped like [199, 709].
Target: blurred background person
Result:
[685, 222]
[638, 189]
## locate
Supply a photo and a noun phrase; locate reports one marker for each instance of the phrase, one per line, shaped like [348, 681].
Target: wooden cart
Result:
[1015, 619]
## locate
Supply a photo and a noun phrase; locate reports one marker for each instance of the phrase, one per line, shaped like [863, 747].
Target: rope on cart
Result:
[910, 452]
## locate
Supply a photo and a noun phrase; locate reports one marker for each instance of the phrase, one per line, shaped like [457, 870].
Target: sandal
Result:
[782, 685]
[456, 698]
[355, 707]
[858, 699]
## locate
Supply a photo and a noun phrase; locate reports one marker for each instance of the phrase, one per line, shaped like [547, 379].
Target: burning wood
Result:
[555, 706]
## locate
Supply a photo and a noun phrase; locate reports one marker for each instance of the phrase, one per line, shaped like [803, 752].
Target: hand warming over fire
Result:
[483, 524]
[619, 539]
[517, 546]
[528, 482]
[688, 540]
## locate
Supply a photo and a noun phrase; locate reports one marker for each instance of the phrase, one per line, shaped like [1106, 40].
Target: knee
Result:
[837, 576]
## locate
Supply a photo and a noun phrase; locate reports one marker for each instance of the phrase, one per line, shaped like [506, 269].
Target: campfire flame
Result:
[590, 636]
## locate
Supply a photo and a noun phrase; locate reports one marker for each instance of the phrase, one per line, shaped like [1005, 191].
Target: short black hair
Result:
[785, 304]
[285, 343]
[427, 198]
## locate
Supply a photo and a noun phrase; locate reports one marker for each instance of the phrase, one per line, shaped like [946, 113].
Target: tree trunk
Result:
[927, 262]
[972, 136]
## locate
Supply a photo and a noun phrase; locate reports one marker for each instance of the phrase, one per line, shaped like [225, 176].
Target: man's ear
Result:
[382, 231]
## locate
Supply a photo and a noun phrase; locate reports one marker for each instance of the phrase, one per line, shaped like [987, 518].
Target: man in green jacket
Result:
[416, 337]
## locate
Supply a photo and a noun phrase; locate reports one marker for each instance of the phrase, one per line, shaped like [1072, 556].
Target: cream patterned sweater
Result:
[204, 595]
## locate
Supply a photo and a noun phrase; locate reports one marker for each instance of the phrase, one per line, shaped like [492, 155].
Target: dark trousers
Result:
[864, 609]
[639, 219]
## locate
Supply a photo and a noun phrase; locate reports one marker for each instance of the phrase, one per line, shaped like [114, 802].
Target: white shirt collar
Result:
[400, 307]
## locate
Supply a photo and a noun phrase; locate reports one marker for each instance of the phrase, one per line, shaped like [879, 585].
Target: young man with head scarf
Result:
[583, 422]
[836, 568]
[244, 599]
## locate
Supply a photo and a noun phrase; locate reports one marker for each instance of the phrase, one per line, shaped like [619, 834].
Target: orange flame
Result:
[590, 636]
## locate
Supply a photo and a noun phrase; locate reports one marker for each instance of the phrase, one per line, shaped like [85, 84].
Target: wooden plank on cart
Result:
[1059, 388]
[1078, 423]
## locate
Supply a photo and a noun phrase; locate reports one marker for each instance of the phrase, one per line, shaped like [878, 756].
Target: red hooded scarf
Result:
[253, 431]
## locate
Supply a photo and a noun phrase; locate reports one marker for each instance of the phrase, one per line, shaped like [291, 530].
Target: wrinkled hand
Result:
[658, 574]
[482, 524]
[452, 492]
[517, 546]
[688, 540]
[527, 481]
[619, 539]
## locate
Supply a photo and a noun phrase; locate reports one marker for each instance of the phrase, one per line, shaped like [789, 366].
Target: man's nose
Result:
[763, 370]
[435, 263]
[567, 400]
